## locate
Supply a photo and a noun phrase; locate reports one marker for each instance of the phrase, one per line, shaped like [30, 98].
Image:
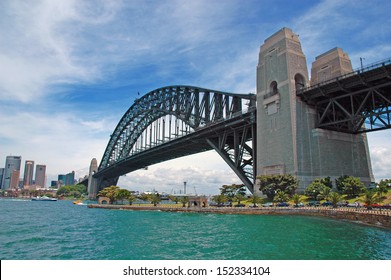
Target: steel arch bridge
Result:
[175, 121]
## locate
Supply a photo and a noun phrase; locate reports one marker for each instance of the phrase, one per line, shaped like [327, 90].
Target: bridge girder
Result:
[206, 114]
[354, 103]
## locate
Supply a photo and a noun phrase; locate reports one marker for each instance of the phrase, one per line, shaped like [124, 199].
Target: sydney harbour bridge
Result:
[176, 121]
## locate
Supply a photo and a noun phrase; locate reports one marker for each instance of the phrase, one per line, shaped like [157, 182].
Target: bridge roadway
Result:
[353, 103]
[222, 136]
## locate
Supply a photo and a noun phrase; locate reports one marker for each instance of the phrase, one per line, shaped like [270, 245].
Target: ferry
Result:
[43, 198]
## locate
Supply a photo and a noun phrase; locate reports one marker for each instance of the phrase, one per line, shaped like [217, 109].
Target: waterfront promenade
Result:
[381, 218]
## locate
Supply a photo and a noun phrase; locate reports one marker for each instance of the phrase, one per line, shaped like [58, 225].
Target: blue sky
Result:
[69, 70]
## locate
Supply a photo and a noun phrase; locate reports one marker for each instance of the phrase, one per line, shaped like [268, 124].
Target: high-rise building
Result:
[70, 179]
[40, 176]
[12, 163]
[28, 173]
[1, 176]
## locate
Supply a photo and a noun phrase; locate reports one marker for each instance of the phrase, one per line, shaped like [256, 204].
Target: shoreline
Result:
[377, 218]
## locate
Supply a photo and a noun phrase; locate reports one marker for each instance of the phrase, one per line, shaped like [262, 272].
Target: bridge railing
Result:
[357, 71]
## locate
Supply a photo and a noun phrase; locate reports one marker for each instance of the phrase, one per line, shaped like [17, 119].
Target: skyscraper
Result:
[12, 163]
[28, 173]
[1, 177]
[40, 176]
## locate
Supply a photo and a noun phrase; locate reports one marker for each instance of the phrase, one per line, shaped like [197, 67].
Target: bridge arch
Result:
[196, 110]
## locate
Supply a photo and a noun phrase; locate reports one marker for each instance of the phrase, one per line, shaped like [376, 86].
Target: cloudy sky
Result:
[70, 69]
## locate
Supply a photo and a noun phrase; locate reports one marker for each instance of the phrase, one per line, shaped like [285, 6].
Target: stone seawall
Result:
[380, 218]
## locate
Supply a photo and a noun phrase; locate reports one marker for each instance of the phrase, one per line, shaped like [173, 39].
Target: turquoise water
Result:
[61, 230]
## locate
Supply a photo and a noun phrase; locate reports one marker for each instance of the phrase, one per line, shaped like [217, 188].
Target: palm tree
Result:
[370, 197]
[296, 199]
[255, 199]
[184, 200]
[281, 196]
[335, 198]
[131, 198]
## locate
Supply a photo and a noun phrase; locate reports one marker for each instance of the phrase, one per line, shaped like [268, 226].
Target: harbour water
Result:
[33, 230]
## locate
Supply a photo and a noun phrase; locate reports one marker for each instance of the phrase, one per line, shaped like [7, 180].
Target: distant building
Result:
[12, 163]
[28, 173]
[1, 176]
[66, 180]
[14, 182]
[40, 175]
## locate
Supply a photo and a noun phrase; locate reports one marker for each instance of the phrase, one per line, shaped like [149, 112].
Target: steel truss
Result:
[354, 103]
[174, 121]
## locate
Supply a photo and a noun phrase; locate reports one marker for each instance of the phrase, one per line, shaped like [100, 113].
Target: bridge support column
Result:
[288, 141]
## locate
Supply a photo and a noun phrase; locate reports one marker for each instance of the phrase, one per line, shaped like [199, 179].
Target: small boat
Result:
[78, 202]
[43, 198]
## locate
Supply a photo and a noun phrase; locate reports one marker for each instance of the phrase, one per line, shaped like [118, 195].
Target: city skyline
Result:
[68, 79]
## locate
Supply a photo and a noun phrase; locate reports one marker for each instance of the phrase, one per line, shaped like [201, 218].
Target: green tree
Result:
[296, 199]
[155, 199]
[370, 197]
[174, 198]
[184, 200]
[110, 193]
[131, 198]
[232, 190]
[381, 190]
[255, 199]
[325, 193]
[339, 182]
[270, 184]
[352, 186]
[315, 189]
[122, 194]
[335, 198]
[220, 199]
[281, 196]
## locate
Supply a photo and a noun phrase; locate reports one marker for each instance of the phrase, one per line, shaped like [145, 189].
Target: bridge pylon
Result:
[288, 141]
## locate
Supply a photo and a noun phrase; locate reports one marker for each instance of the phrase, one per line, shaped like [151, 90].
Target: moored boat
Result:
[43, 198]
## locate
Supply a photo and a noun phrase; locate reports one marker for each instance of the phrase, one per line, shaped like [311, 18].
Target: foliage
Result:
[110, 193]
[270, 184]
[122, 194]
[75, 191]
[281, 196]
[352, 186]
[184, 200]
[232, 190]
[370, 197]
[255, 199]
[174, 198]
[316, 189]
[386, 183]
[152, 198]
[335, 198]
[220, 198]
[381, 190]
[296, 199]
[339, 182]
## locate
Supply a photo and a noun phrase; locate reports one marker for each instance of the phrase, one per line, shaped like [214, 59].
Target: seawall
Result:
[379, 218]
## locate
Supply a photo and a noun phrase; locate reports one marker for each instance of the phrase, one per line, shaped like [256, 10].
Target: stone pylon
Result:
[288, 141]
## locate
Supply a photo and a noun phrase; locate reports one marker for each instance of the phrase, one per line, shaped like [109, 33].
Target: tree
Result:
[270, 184]
[255, 199]
[296, 199]
[184, 200]
[220, 199]
[122, 194]
[370, 197]
[155, 199]
[339, 182]
[110, 193]
[174, 198]
[281, 196]
[352, 186]
[335, 198]
[315, 189]
[131, 198]
[381, 190]
[232, 190]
